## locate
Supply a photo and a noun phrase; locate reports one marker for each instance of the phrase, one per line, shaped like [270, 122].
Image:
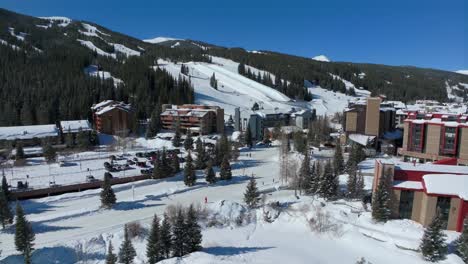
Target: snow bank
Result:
[159, 40]
[322, 58]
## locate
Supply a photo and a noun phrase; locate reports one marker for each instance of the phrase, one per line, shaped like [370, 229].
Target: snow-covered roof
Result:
[108, 105]
[74, 126]
[430, 167]
[361, 139]
[447, 184]
[28, 132]
[186, 112]
[414, 185]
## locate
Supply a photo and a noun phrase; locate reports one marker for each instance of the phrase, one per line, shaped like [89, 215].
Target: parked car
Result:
[141, 164]
[21, 186]
[90, 178]
[130, 162]
[147, 171]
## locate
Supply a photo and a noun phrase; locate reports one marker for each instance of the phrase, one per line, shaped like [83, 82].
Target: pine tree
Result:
[248, 137]
[108, 198]
[461, 243]
[175, 164]
[224, 147]
[200, 149]
[225, 170]
[155, 123]
[82, 139]
[6, 216]
[251, 195]
[304, 173]
[210, 175]
[213, 81]
[165, 167]
[166, 238]
[241, 69]
[176, 141]
[193, 231]
[5, 187]
[217, 158]
[70, 140]
[328, 183]
[188, 143]
[126, 252]
[111, 258]
[359, 192]
[189, 171]
[255, 107]
[338, 161]
[24, 235]
[153, 245]
[157, 170]
[352, 181]
[49, 153]
[179, 235]
[433, 246]
[381, 201]
[19, 151]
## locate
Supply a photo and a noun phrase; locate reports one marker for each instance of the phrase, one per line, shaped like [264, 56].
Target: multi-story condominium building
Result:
[430, 137]
[420, 191]
[368, 119]
[198, 119]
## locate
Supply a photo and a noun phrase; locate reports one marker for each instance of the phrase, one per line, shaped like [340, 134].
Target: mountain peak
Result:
[465, 72]
[321, 58]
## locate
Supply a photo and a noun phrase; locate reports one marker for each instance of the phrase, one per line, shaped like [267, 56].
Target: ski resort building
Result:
[420, 191]
[366, 121]
[112, 117]
[198, 119]
[260, 121]
[75, 126]
[29, 135]
[435, 136]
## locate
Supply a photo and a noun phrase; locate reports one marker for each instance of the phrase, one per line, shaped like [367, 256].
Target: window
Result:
[406, 204]
[450, 134]
[443, 209]
[416, 137]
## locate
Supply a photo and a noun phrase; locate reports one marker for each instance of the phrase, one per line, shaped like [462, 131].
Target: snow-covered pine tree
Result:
[433, 246]
[108, 198]
[189, 171]
[304, 173]
[153, 244]
[165, 167]
[352, 181]
[24, 234]
[166, 237]
[194, 236]
[175, 164]
[155, 123]
[251, 195]
[328, 184]
[201, 155]
[359, 193]
[248, 137]
[214, 82]
[338, 161]
[381, 200]
[19, 151]
[224, 147]
[225, 170]
[127, 252]
[5, 186]
[314, 180]
[210, 175]
[176, 140]
[111, 258]
[188, 142]
[6, 216]
[179, 235]
[461, 244]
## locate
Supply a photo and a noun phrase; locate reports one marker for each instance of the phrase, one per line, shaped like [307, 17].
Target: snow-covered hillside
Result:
[462, 72]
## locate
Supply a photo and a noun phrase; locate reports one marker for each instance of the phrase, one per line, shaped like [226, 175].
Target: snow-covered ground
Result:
[321, 58]
[61, 222]
[159, 40]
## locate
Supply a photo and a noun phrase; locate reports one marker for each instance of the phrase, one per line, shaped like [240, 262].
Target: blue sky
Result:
[425, 33]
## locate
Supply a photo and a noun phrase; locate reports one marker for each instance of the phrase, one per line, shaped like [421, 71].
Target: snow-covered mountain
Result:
[462, 72]
[321, 58]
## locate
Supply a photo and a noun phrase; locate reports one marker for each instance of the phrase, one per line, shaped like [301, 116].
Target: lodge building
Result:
[431, 137]
[420, 191]
[112, 117]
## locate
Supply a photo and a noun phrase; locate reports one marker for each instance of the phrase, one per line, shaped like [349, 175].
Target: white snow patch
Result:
[462, 72]
[357, 90]
[447, 184]
[125, 50]
[91, 31]
[321, 58]
[14, 47]
[159, 40]
[99, 51]
[93, 71]
[20, 36]
[175, 45]
[63, 21]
